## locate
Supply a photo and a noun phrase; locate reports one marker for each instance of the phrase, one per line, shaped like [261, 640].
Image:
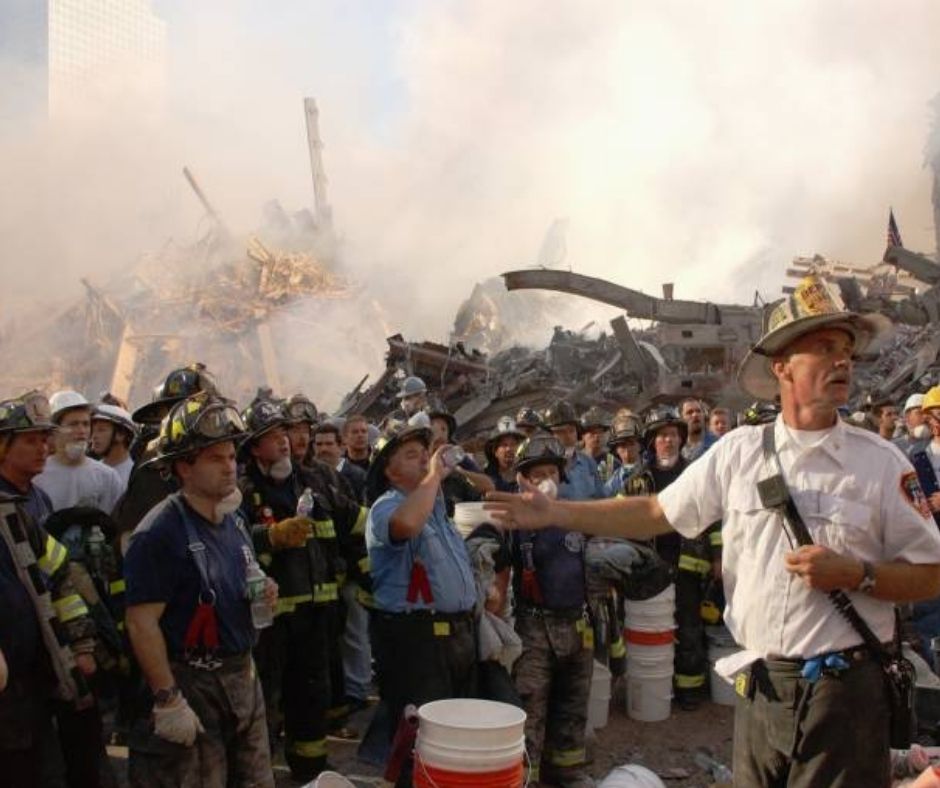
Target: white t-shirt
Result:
[123, 470]
[90, 483]
[858, 495]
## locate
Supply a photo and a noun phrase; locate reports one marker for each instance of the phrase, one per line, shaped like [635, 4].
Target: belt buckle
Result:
[205, 662]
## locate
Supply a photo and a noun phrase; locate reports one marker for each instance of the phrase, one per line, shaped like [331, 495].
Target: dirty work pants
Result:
[691, 660]
[553, 679]
[422, 657]
[24, 717]
[293, 657]
[234, 748]
[831, 734]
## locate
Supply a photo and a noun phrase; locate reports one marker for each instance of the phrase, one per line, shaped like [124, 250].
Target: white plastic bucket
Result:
[599, 698]
[468, 735]
[487, 759]
[598, 711]
[649, 698]
[656, 614]
[330, 780]
[645, 654]
[632, 776]
[468, 516]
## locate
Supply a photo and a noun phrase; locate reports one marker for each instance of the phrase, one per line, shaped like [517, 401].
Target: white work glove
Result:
[177, 722]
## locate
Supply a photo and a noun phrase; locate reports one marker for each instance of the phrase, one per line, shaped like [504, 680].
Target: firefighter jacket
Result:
[350, 517]
[40, 565]
[314, 572]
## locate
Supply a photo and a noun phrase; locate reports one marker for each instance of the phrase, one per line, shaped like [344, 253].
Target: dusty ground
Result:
[661, 746]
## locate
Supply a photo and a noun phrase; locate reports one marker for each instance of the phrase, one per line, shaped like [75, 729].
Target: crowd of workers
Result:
[215, 587]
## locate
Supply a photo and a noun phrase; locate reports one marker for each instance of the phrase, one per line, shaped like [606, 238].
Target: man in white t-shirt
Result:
[71, 478]
[813, 708]
[112, 432]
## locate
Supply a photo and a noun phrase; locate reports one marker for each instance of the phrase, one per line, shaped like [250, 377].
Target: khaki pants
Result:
[831, 734]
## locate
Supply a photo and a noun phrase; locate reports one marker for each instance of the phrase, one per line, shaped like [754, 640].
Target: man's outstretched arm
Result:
[639, 517]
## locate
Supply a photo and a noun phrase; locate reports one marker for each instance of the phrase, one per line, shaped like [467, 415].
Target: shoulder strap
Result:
[776, 495]
[197, 549]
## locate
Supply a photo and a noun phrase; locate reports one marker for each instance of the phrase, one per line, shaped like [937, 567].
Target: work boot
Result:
[688, 701]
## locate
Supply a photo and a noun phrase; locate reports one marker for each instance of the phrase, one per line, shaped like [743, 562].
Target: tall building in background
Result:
[61, 56]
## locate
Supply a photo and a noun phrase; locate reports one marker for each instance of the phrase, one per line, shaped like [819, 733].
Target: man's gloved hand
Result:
[292, 532]
[177, 722]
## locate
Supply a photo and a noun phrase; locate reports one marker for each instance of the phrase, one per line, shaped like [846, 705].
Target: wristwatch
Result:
[868, 578]
[163, 696]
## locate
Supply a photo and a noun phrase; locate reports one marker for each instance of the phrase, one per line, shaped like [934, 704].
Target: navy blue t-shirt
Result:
[37, 504]
[159, 568]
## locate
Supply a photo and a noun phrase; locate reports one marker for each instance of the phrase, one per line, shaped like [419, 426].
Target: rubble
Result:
[673, 348]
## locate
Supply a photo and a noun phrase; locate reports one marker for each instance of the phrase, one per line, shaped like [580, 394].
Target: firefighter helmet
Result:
[178, 385]
[538, 450]
[29, 412]
[196, 423]
[663, 416]
[559, 413]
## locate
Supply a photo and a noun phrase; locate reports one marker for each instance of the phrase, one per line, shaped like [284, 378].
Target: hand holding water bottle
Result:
[262, 593]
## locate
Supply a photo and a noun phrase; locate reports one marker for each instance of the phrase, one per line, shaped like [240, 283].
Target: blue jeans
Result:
[926, 621]
[356, 647]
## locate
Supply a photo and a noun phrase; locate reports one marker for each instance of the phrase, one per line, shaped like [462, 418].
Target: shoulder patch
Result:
[914, 494]
[574, 542]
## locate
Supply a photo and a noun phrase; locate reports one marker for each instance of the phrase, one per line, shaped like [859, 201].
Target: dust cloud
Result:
[704, 144]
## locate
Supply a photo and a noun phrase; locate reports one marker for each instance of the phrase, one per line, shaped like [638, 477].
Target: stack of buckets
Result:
[464, 743]
[650, 640]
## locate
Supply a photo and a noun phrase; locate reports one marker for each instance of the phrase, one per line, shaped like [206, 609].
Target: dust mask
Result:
[75, 450]
[280, 469]
[548, 488]
[229, 503]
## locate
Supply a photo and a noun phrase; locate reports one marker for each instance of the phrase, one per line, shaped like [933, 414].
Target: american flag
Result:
[894, 235]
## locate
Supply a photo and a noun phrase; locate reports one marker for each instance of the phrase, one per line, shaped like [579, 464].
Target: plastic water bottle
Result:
[718, 771]
[94, 547]
[305, 503]
[453, 456]
[261, 613]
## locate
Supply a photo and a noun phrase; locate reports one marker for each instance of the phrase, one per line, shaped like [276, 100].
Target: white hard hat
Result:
[65, 400]
[913, 401]
[115, 415]
[632, 775]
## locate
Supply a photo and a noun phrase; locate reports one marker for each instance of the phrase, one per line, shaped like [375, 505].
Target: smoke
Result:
[705, 144]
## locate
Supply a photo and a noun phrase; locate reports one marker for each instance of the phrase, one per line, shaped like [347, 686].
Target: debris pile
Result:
[669, 350]
[206, 300]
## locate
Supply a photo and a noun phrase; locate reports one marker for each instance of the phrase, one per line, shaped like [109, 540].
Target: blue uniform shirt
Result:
[440, 549]
[35, 501]
[159, 568]
[584, 482]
